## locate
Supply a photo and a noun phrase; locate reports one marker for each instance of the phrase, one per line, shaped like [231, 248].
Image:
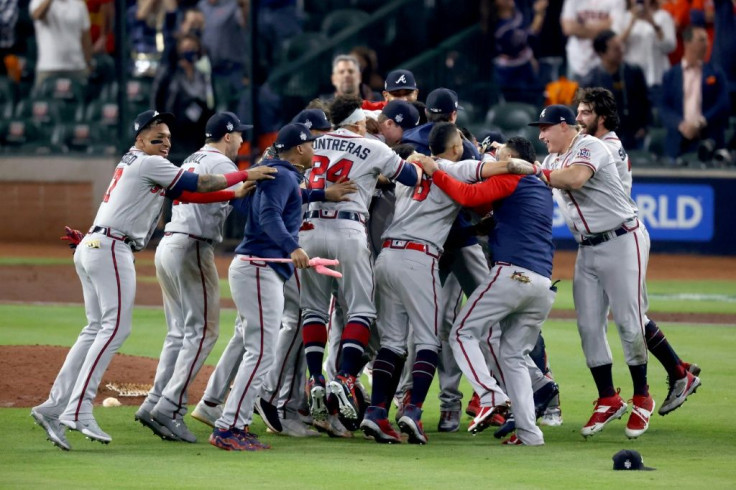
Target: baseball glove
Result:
[74, 237]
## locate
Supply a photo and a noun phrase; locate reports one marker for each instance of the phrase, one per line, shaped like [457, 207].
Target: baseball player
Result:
[610, 266]
[598, 117]
[271, 231]
[338, 230]
[398, 85]
[185, 267]
[408, 287]
[517, 295]
[124, 223]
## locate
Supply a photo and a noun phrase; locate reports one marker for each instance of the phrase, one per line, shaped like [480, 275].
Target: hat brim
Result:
[543, 123]
[242, 127]
[403, 87]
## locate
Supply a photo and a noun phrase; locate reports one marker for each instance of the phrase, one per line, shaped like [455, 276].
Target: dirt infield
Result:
[59, 284]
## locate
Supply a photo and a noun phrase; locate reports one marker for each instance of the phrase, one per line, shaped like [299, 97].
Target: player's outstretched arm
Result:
[570, 178]
[213, 182]
[340, 190]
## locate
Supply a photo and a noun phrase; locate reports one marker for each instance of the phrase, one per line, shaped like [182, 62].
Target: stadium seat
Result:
[641, 158]
[101, 77]
[655, 141]
[299, 45]
[341, 19]
[104, 115]
[60, 88]
[139, 92]
[24, 136]
[45, 113]
[7, 97]
[81, 137]
[511, 117]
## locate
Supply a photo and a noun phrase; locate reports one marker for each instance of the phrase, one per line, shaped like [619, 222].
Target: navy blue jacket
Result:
[274, 215]
[715, 105]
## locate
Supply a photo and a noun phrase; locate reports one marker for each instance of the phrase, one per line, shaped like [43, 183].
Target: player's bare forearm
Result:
[210, 183]
[570, 178]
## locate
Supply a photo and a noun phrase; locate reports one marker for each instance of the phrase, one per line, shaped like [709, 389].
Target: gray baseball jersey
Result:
[623, 164]
[601, 204]
[133, 200]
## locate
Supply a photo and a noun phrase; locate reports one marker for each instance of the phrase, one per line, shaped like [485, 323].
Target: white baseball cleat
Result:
[206, 414]
[294, 428]
[552, 417]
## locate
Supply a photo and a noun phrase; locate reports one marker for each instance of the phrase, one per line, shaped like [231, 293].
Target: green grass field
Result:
[693, 447]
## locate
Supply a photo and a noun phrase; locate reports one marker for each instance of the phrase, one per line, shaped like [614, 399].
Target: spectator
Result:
[695, 102]
[278, 20]
[629, 87]
[8, 20]
[548, 42]
[648, 34]
[368, 61]
[515, 68]
[724, 51]
[63, 39]
[150, 24]
[346, 78]
[183, 90]
[225, 40]
[102, 22]
[582, 21]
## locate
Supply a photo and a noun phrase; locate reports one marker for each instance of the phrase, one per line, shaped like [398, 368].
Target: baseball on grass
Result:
[111, 402]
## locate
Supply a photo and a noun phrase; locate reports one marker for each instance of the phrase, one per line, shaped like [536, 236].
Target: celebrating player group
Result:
[360, 243]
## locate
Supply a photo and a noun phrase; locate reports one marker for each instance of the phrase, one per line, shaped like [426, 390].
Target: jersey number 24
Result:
[321, 171]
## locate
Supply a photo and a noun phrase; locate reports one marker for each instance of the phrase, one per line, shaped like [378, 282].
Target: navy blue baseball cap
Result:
[145, 118]
[555, 114]
[400, 80]
[313, 119]
[222, 123]
[291, 135]
[402, 113]
[442, 101]
[628, 459]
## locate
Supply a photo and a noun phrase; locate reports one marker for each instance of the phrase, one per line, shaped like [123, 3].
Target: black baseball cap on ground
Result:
[292, 135]
[555, 114]
[145, 118]
[442, 101]
[628, 459]
[402, 113]
[400, 80]
[313, 119]
[222, 123]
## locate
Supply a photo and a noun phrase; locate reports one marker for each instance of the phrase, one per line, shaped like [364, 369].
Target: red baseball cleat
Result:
[641, 411]
[606, 409]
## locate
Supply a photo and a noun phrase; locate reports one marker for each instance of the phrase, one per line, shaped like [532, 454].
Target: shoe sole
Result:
[225, 446]
[318, 405]
[616, 416]
[266, 420]
[347, 409]
[159, 430]
[408, 427]
[454, 428]
[201, 418]
[372, 429]
[633, 434]
[50, 435]
[481, 425]
[693, 388]
[87, 433]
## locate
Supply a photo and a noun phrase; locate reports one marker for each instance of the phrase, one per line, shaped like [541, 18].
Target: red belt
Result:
[407, 245]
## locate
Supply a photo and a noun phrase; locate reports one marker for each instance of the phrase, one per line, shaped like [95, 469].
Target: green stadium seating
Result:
[339, 20]
[655, 141]
[511, 117]
[301, 44]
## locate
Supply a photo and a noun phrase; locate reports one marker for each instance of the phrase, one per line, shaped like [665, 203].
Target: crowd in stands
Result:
[191, 57]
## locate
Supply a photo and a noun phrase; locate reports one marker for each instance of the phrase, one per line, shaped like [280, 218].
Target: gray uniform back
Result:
[426, 213]
[343, 153]
[601, 204]
[133, 200]
[203, 220]
[623, 164]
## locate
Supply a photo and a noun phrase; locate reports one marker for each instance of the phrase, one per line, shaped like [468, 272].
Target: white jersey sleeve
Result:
[133, 200]
[623, 163]
[601, 204]
[344, 154]
[425, 213]
[203, 220]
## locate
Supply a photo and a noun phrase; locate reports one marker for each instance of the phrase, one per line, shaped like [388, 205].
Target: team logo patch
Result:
[521, 277]
[399, 118]
[230, 126]
[92, 243]
[308, 123]
[303, 136]
[401, 79]
[583, 153]
[155, 113]
[136, 126]
[544, 111]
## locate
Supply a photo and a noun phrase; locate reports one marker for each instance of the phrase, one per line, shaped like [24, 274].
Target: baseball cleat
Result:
[206, 414]
[144, 417]
[55, 431]
[400, 403]
[269, 413]
[544, 396]
[317, 399]
[679, 391]
[473, 405]
[231, 440]
[252, 439]
[343, 388]
[483, 420]
[606, 409]
[693, 368]
[89, 428]
[333, 427]
[176, 426]
[507, 428]
[376, 425]
[552, 417]
[449, 421]
[641, 410]
[295, 428]
[513, 441]
[411, 424]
